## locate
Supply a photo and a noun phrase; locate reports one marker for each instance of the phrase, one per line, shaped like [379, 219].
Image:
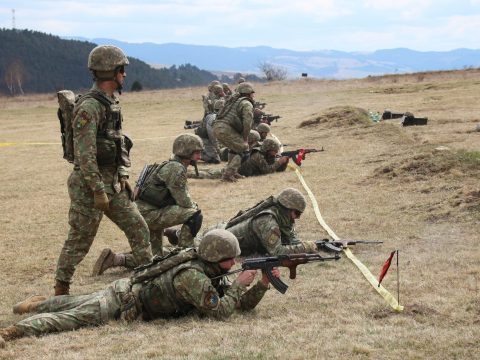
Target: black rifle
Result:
[338, 245]
[266, 264]
[268, 118]
[259, 105]
[298, 155]
[192, 124]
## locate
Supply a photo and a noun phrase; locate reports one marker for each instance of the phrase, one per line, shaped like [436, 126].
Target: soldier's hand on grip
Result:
[246, 277]
[275, 272]
[100, 201]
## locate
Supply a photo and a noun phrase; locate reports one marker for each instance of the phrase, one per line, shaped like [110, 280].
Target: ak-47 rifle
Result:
[259, 105]
[299, 155]
[266, 264]
[268, 118]
[338, 245]
[192, 124]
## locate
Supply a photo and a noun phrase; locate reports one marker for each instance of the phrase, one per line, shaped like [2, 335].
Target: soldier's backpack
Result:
[161, 264]
[251, 212]
[66, 103]
[150, 189]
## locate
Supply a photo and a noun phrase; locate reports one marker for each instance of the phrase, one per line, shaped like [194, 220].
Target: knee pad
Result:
[195, 223]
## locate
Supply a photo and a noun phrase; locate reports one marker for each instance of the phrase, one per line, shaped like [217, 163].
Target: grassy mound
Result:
[339, 116]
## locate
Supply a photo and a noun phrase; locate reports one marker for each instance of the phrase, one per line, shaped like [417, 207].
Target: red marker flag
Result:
[385, 267]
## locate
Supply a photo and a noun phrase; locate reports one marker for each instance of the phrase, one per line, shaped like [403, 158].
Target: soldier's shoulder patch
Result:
[273, 236]
[211, 300]
[84, 118]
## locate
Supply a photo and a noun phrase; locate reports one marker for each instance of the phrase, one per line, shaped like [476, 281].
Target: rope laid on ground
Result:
[389, 298]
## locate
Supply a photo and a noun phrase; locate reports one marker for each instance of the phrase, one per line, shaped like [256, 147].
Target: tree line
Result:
[35, 62]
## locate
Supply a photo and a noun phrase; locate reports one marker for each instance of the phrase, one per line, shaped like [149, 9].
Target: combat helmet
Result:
[106, 58]
[212, 84]
[218, 245]
[269, 144]
[185, 144]
[292, 199]
[262, 127]
[245, 88]
[217, 89]
[253, 136]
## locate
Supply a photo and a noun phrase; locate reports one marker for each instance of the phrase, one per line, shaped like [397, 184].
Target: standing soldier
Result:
[211, 152]
[98, 184]
[164, 201]
[232, 126]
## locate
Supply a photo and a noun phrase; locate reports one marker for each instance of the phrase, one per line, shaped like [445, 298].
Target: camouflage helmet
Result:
[185, 144]
[269, 145]
[106, 58]
[292, 199]
[262, 127]
[212, 84]
[240, 80]
[218, 105]
[218, 245]
[245, 88]
[217, 89]
[253, 136]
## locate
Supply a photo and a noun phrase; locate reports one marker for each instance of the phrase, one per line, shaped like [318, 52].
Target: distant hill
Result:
[325, 63]
[34, 62]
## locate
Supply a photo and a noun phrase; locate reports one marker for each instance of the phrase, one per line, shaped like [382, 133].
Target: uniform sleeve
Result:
[268, 231]
[252, 297]
[261, 164]
[176, 183]
[85, 125]
[246, 114]
[195, 288]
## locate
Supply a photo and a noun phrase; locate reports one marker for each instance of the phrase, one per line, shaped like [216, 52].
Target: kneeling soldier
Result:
[164, 202]
[190, 281]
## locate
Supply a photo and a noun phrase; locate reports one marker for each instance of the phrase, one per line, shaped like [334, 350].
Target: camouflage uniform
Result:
[173, 175]
[97, 168]
[259, 164]
[191, 282]
[232, 126]
[211, 152]
[270, 230]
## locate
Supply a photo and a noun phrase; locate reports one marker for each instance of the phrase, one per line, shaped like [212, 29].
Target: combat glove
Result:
[100, 201]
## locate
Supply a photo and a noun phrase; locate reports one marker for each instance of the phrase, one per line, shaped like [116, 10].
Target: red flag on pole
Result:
[385, 267]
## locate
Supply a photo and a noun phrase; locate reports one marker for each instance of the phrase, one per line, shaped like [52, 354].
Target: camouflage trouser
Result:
[211, 150]
[158, 220]
[70, 312]
[84, 220]
[206, 174]
[232, 140]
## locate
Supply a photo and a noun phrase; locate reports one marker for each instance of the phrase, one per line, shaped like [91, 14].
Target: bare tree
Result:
[14, 77]
[273, 72]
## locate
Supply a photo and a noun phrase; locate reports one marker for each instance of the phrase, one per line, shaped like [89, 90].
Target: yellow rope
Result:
[389, 298]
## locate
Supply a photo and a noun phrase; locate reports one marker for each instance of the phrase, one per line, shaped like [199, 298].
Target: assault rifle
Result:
[259, 105]
[338, 245]
[299, 155]
[189, 124]
[268, 118]
[266, 264]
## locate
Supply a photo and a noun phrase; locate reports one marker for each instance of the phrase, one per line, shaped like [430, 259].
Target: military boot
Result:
[172, 236]
[8, 334]
[238, 176]
[107, 260]
[62, 288]
[28, 305]
[229, 176]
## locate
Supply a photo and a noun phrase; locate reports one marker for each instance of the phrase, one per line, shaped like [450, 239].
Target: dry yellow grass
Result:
[330, 311]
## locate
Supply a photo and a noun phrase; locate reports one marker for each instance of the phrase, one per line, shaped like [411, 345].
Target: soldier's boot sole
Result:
[104, 262]
[62, 288]
[171, 235]
[28, 305]
[8, 334]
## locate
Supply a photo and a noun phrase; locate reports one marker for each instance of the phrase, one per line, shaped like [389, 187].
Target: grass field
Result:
[376, 181]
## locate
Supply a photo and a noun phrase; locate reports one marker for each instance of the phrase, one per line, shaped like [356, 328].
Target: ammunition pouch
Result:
[106, 151]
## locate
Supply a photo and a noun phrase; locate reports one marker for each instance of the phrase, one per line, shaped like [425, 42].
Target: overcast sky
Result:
[348, 25]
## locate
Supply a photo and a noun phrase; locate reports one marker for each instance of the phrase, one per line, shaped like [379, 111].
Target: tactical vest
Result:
[113, 147]
[247, 238]
[154, 191]
[230, 114]
[247, 168]
[158, 296]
